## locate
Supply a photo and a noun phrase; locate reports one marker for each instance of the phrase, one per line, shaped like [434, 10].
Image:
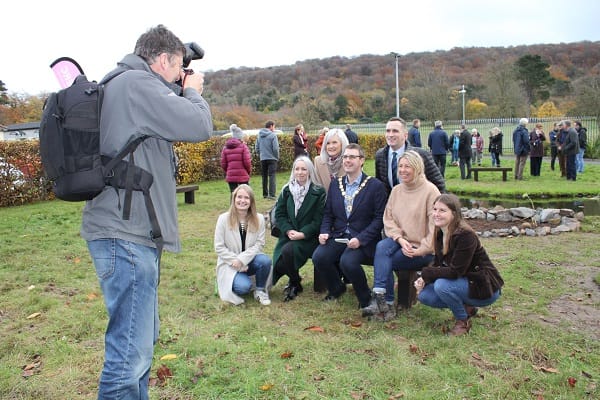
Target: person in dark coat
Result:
[236, 160]
[458, 253]
[439, 144]
[495, 147]
[351, 135]
[351, 228]
[414, 135]
[521, 147]
[300, 141]
[396, 134]
[536, 142]
[570, 149]
[464, 152]
[299, 211]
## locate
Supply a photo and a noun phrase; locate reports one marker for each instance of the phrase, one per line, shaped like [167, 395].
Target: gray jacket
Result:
[571, 145]
[267, 145]
[140, 102]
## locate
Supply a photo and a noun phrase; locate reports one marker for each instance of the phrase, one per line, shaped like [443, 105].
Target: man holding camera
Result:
[144, 100]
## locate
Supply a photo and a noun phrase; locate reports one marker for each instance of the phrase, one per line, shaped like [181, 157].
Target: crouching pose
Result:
[462, 277]
[239, 240]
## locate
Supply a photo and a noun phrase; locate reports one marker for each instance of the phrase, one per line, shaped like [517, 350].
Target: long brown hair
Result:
[252, 213]
[453, 203]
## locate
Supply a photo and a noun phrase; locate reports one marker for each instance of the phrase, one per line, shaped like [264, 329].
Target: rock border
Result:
[565, 219]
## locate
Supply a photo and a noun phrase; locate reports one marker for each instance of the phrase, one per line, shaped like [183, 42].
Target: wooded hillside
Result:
[363, 89]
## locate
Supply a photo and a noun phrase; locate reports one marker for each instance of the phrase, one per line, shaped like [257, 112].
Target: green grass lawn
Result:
[526, 346]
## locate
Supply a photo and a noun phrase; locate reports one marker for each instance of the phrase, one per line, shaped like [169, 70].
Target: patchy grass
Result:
[52, 321]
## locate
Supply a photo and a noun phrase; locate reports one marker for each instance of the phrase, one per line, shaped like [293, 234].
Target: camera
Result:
[192, 52]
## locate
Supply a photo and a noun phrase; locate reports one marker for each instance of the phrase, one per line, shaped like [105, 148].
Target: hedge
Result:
[197, 162]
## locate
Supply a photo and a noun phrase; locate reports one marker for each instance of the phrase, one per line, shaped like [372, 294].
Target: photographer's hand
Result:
[195, 80]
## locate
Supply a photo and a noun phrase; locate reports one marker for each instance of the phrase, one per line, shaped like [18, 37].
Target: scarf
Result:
[334, 165]
[298, 193]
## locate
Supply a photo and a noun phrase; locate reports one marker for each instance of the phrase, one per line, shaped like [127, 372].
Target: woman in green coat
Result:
[298, 211]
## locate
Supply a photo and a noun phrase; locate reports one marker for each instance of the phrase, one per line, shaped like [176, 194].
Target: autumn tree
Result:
[3, 95]
[534, 76]
[587, 95]
[475, 108]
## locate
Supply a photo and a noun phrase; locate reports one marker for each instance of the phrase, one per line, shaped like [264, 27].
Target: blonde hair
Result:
[416, 162]
[234, 220]
[309, 166]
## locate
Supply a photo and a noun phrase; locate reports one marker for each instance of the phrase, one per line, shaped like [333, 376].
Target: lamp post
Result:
[463, 91]
[397, 56]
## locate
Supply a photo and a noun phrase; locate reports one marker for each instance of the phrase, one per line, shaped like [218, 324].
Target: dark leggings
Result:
[285, 264]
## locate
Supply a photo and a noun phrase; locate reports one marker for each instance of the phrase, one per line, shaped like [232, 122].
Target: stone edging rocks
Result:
[527, 220]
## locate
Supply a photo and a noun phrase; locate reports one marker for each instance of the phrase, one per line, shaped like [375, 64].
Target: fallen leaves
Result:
[314, 328]
[287, 354]
[571, 381]
[266, 386]
[33, 367]
[34, 315]
[167, 357]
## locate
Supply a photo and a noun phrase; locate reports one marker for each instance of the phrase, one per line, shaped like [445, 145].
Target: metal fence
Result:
[483, 126]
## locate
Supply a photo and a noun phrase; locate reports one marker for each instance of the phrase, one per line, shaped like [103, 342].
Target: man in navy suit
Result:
[351, 227]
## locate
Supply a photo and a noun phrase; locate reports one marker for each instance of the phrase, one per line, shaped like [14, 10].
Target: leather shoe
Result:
[331, 296]
[292, 292]
[461, 327]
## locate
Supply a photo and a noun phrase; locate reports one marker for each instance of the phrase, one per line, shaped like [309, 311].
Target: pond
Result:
[589, 206]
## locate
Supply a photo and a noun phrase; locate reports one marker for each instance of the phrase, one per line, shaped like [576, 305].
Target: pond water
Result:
[589, 206]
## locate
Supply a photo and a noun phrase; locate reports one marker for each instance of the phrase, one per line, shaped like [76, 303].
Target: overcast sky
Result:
[262, 33]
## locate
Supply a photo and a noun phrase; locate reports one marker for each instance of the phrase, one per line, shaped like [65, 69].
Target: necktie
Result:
[394, 168]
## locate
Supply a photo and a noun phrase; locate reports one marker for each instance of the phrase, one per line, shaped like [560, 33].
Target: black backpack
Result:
[70, 150]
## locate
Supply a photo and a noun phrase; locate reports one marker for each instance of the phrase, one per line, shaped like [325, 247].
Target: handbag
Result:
[480, 284]
[275, 231]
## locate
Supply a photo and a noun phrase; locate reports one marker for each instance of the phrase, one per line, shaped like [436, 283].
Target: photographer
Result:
[142, 101]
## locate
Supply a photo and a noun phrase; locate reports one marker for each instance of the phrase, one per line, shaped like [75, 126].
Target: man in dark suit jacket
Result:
[351, 227]
[395, 136]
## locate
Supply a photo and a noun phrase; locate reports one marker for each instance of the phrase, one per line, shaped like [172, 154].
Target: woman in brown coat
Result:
[462, 276]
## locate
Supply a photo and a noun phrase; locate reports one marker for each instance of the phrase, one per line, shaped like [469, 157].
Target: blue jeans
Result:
[452, 294]
[128, 276]
[579, 160]
[389, 258]
[259, 266]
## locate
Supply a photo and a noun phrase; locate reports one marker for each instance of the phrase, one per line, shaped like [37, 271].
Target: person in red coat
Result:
[235, 159]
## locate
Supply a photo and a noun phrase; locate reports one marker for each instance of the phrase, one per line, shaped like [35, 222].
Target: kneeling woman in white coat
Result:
[239, 241]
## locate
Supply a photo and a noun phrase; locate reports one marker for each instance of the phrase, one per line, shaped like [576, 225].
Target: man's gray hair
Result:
[523, 121]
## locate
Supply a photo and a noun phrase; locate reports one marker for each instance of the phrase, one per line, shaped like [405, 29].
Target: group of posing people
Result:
[331, 211]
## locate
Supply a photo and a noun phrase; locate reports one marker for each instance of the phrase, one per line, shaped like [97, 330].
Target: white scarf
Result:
[298, 193]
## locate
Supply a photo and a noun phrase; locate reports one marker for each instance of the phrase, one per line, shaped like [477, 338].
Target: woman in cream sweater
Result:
[408, 227]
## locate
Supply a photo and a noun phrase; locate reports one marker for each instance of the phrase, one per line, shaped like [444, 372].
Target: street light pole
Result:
[397, 56]
[463, 91]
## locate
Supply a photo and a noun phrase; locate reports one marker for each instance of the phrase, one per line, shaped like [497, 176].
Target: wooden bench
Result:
[476, 170]
[189, 191]
[405, 298]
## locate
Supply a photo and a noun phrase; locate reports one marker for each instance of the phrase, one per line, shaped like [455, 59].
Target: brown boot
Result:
[460, 327]
[471, 311]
